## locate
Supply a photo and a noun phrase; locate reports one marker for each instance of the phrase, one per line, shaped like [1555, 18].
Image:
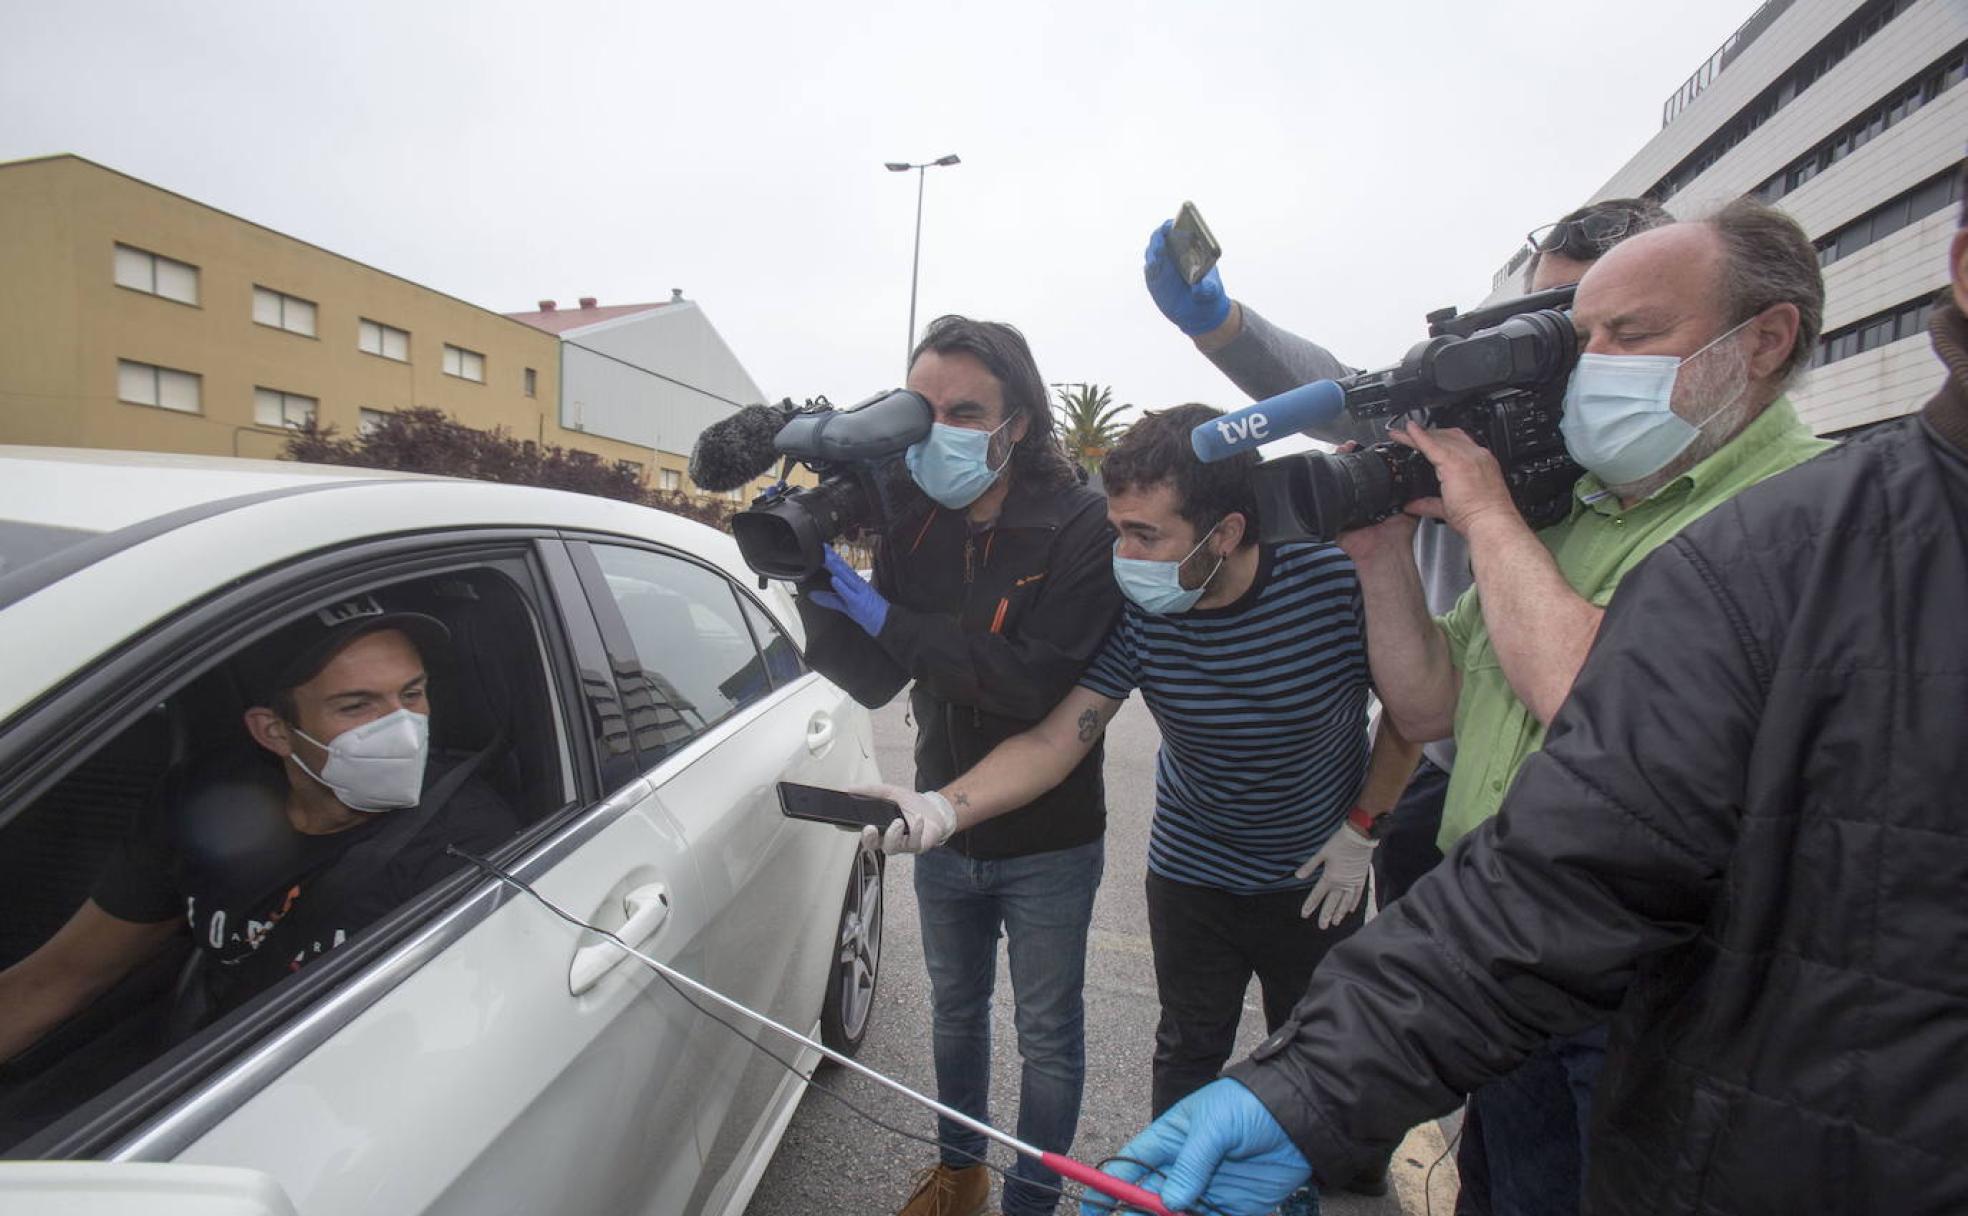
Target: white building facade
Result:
[653, 375]
[1851, 115]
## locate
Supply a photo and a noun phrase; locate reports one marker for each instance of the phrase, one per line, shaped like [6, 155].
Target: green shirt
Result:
[1594, 549]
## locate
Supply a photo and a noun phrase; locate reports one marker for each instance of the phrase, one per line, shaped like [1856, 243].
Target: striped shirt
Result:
[1262, 706]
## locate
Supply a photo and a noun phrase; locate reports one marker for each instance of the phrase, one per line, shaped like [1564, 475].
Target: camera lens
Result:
[1314, 496]
[787, 536]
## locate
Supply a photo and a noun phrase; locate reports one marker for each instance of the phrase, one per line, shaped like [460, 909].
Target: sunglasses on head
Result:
[1584, 238]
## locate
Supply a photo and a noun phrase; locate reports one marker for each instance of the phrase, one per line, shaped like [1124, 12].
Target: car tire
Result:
[856, 960]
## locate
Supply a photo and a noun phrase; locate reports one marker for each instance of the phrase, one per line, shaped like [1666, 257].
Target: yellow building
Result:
[132, 317]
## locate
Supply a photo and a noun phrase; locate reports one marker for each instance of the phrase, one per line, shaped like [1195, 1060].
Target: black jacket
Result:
[1747, 835]
[994, 628]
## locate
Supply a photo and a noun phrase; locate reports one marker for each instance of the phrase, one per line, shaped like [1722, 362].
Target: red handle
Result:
[1106, 1184]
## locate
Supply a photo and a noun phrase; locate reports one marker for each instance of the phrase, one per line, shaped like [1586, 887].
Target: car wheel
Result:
[857, 957]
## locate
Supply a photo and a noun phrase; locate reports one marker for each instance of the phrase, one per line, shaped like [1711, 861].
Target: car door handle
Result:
[819, 733]
[647, 908]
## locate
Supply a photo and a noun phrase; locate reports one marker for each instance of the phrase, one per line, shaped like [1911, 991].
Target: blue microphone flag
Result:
[1313, 404]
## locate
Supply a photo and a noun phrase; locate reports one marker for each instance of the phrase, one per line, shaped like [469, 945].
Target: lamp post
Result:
[915, 264]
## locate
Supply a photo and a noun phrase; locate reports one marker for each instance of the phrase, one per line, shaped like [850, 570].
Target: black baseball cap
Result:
[297, 651]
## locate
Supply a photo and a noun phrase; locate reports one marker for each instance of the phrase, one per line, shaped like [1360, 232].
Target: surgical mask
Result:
[1619, 421]
[952, 464]
[1156, 586]
[378, 766]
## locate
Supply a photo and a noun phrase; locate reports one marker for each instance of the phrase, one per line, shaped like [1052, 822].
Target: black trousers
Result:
[1407, 848]
[1208, 943]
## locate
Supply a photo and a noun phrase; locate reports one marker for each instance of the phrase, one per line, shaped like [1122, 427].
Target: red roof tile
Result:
[560, 320]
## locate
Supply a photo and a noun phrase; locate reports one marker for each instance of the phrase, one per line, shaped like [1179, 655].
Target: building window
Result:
[1829, 51]
[465, 364]
[370, 421]
[283, 311]
[531, 382]
[669, 479]
[632, 467]
[1895, 108]
[140, 270]
[378, 339]
[1937, 193]
[271, 407]
[1873, 332]
[163, 387]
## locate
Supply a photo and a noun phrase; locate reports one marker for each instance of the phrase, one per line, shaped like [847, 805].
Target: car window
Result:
[175, 831]
[698, 663]
[782, 659]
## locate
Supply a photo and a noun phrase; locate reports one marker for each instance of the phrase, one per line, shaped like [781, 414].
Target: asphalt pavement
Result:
[833, 1161]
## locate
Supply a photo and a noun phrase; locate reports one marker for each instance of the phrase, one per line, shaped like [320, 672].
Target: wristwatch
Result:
[1372, 826]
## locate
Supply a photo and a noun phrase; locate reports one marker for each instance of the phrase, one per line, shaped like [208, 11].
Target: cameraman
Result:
[992, 589]
[1264, 360]
[1690, 334]
[1531, 1147]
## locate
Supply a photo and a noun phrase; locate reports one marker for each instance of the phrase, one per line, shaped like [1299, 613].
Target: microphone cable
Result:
[507, 877]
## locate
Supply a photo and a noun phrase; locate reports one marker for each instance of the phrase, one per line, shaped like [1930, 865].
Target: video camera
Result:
[1498, 373]
[784, 533]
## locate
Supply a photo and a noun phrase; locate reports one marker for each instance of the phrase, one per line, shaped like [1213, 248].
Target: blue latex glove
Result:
[1195, 310]
[1218, 1146]
[852, 596]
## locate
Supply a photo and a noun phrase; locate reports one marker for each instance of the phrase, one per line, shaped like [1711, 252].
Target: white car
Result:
[637, 694]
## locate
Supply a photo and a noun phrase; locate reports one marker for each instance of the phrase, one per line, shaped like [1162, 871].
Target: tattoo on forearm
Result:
[1089, 725]
[963, 800]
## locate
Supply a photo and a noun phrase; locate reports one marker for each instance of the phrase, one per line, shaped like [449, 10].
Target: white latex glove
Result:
[1346, 859]
[927, 819]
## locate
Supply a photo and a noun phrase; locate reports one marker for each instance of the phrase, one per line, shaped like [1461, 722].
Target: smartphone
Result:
[836, 807]
[1192, 245]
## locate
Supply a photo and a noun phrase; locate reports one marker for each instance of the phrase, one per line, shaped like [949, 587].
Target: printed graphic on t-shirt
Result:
[235, 935]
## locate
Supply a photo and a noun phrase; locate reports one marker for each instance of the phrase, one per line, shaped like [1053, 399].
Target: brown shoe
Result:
[945, 1190]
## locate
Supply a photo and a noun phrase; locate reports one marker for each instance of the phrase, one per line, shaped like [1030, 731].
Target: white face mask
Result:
[378, 766]
[1619, 420]
[952, 464]
[1156, 586]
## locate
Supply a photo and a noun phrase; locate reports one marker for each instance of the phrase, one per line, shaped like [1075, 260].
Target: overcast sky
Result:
[1361, 163]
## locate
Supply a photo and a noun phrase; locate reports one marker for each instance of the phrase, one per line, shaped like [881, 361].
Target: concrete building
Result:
[133, 317]
[1851, 115]
[649, 375]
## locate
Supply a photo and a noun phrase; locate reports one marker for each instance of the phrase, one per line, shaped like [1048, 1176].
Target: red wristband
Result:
[1366, 822]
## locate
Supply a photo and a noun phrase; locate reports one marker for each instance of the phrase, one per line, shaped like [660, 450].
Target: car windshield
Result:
[23, 544]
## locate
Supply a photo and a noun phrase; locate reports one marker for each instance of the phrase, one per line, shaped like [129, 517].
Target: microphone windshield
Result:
[735, 450]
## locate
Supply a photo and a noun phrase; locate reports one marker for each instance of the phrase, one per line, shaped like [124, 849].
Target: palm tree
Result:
[1088, 421]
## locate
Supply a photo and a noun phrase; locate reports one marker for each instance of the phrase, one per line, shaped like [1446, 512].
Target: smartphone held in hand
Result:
[1192, 245]
[837, 807]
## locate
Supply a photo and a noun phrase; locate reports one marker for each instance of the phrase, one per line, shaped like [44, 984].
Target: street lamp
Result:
[915, 265]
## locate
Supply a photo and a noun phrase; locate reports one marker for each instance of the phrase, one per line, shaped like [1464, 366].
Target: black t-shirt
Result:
[216, 848]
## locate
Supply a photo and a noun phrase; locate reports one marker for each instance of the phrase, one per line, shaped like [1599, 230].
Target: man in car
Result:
[275, 854]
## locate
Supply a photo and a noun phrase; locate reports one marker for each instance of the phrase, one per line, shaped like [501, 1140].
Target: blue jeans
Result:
[1042, 905]
[1534, 1123]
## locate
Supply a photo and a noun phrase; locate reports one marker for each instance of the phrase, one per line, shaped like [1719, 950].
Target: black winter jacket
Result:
[994, 628]
[1747, 836]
